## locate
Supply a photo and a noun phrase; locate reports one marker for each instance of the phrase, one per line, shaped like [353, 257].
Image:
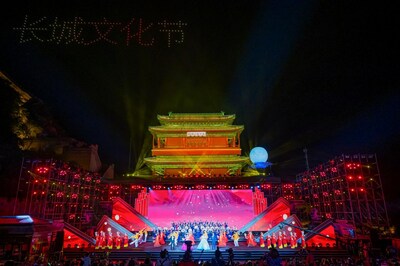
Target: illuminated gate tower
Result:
[196, 145]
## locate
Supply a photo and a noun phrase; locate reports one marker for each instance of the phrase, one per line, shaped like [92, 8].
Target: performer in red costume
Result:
[273, 240]
[110, 240]
[250, 239]
[262, 244]
[222, 240]
[280, 240]
[269, 244]
[97, 237]
[292, 241]
[102, 240]
[126, 240]
[284, 240]
[162, 238]
[157, 241]
[118, 241]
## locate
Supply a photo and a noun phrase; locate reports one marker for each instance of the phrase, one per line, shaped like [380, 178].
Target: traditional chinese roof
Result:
[178, 124]
[186, 119]
[181, 129]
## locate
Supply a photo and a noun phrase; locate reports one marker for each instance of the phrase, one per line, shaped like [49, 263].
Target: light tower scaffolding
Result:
[55, 190]
[347, 187]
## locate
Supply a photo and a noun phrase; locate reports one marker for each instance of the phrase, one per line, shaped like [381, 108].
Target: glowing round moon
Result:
[258, 155]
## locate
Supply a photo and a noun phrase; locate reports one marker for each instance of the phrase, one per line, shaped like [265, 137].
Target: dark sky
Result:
[316, 74]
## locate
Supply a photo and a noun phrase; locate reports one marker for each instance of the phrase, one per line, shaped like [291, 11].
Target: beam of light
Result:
[139, 139]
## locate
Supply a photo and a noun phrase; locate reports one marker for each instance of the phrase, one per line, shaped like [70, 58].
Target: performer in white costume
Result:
[204, 242]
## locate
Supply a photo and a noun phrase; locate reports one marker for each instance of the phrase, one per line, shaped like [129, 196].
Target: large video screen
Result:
[232, 206]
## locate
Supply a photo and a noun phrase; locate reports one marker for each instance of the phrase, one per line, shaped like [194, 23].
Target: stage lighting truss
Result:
[348, 188]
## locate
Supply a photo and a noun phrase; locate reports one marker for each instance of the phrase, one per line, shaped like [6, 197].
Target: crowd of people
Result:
[271, 257]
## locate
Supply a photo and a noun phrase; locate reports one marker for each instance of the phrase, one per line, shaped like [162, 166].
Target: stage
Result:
[242, 253]
[199, 183]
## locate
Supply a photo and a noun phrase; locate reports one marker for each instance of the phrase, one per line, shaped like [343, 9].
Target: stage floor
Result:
[242, 253]
[148, 246]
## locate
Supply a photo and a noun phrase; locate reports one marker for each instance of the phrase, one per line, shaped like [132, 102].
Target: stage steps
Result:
[241, 254]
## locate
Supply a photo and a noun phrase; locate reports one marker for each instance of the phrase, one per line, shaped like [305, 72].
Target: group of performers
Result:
[187, 239]
[200, 226]
[109, 241]
[209, 239]
[278, 240]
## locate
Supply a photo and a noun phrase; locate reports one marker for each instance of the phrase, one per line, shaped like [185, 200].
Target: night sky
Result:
[316, 74]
